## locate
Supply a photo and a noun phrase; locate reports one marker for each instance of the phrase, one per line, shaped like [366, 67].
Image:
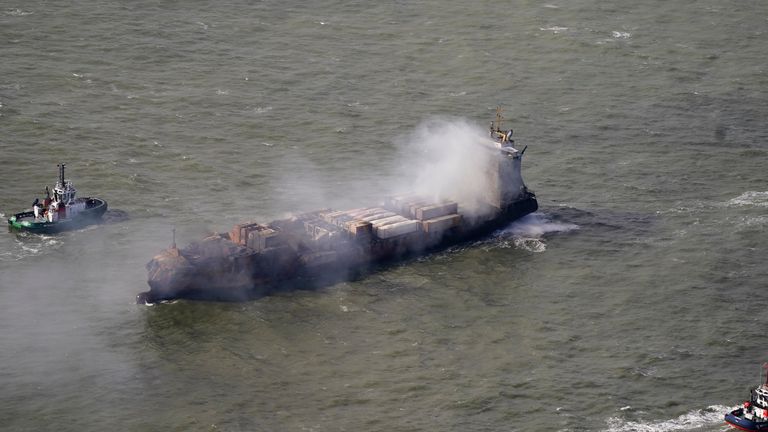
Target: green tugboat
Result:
[61, 212]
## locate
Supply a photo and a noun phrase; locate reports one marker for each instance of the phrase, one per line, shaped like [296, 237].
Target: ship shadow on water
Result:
[113, 216]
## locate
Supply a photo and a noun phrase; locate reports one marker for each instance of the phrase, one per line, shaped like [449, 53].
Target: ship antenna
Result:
[499, 117]
[61, 173]
[173, 242]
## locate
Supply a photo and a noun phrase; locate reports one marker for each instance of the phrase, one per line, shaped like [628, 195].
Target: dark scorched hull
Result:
[230, 273]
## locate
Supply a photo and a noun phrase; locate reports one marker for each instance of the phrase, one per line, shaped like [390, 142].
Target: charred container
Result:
[318, 248]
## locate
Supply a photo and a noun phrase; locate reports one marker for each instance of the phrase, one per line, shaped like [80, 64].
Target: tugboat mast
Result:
[61, 173]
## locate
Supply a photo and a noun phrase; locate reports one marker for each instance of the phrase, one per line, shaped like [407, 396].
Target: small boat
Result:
[62, 212]
[753, 414]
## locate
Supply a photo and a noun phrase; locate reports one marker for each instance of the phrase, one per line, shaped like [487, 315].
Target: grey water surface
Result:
[634, 300]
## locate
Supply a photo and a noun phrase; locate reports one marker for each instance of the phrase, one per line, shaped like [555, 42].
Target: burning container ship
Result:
[325, 246]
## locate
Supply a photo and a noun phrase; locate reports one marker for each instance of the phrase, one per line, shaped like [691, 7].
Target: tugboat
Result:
[62, 212]
[753, 414]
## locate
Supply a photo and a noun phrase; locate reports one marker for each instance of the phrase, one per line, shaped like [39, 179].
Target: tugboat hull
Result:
[736, 420]
[26, 222]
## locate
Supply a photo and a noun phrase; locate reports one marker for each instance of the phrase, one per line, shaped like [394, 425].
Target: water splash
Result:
[528, 232]
[699, 418]
[537, 225]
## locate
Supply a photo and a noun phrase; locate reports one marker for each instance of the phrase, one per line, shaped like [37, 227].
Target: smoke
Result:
[448, 158]
[441, 159]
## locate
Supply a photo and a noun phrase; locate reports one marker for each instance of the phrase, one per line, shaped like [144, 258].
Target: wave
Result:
[752, 222]
[528, 232]
[752, 198]
[17, 12]
[27, 245]
[699, 418]
[554, 29]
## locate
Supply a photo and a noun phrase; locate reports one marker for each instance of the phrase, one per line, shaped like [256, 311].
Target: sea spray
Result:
[528, 232]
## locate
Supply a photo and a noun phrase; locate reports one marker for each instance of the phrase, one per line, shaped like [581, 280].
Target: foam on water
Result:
[554, 29]
[30, 245]
[692, 420]
[751, 198]
[537, 225]
[17, 12]
[528, 232]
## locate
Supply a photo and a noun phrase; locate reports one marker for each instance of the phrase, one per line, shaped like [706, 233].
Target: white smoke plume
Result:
[448, 158]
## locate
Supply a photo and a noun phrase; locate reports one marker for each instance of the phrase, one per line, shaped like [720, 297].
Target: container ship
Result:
[322, 247]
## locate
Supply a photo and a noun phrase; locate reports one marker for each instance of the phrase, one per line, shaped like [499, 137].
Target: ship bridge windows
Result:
[64, 194]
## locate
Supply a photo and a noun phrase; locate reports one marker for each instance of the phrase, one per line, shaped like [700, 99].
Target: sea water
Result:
[633, 300]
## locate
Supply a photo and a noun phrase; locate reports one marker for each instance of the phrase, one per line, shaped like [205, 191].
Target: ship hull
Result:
[230, 278]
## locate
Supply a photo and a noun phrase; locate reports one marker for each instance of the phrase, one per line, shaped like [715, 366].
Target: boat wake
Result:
[693, 420]
[751, 198]
[529, 231]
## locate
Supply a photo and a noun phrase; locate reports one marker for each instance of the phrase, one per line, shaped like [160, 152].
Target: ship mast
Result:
[499, 118]
[61, 174]
[764, 368]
